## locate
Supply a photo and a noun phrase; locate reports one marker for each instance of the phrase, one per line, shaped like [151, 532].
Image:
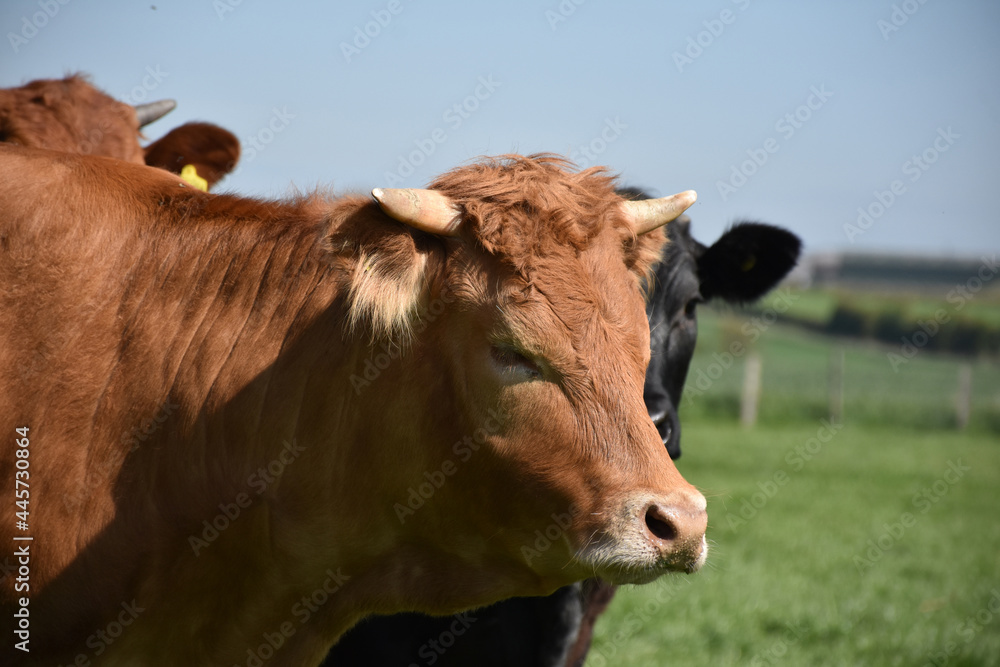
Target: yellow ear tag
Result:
[190, 174]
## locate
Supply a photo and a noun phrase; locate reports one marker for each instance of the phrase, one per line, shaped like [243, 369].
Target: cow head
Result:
[743, 265]
[541, 355]
[72, 116]
[548, 625]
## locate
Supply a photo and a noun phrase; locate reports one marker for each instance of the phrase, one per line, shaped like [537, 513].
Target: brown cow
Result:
[232, 409]
[72, 116]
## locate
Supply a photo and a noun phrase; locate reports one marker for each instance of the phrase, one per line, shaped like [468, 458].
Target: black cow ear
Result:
[747, 261]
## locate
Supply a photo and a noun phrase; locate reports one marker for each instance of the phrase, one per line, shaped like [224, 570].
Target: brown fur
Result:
[212, 150]
[125, 291]
[69, 115]
[522, 210]
[72, 116]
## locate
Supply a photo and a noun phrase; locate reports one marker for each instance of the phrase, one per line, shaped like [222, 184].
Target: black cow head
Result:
[742, 266]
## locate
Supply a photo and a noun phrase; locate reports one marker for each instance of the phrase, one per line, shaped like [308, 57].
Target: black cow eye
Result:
[691, 307]
[510, 360]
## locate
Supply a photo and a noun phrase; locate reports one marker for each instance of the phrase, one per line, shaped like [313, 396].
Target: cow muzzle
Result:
[652, 534]
[676, 529]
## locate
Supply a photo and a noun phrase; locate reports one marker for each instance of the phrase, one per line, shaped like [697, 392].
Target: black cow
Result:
[742, 266]
[555, 631]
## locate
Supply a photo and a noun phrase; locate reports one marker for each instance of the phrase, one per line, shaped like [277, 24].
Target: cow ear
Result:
[385, 269]
[747, 261]
[210, 150]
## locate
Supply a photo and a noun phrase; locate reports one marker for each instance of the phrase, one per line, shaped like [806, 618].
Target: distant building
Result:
[875, 271]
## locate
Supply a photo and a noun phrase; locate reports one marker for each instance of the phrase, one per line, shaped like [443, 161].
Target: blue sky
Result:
[796, 113]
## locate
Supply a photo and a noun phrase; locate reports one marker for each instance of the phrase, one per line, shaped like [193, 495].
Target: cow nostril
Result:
[664, 425]
[666, 431]
[660, 525]
[658, 416]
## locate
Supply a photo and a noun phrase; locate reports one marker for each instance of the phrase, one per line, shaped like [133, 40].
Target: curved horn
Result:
[648, 214]
[147, 113]
[427, 210]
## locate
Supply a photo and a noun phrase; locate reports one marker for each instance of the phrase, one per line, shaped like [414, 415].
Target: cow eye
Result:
[691, 307]
[510, 360]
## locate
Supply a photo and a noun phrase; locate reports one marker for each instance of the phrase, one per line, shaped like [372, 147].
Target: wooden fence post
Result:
[963, 398]
[836, 385]
[751, 390]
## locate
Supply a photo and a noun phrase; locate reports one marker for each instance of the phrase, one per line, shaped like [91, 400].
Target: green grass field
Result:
[883, 548]
[875, 543]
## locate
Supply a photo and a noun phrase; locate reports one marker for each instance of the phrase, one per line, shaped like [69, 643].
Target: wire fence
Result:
[805, 376]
